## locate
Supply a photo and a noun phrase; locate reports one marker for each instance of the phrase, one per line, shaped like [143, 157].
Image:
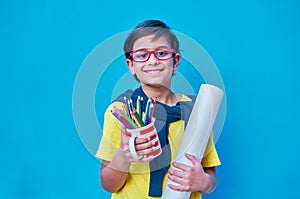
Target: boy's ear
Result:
[176, 61]
[130, 66]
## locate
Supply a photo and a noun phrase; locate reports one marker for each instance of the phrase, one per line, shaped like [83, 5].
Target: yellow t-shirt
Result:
[138, 178]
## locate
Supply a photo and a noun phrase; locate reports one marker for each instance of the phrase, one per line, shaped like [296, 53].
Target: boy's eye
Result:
[141, 54]
[162, 53]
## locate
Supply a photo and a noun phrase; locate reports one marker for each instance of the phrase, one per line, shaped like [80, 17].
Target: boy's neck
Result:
[161, 93]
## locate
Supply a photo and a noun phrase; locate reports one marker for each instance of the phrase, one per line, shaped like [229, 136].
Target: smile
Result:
[153, 71]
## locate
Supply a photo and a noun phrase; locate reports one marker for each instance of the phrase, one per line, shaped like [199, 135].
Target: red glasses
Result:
[159, 53]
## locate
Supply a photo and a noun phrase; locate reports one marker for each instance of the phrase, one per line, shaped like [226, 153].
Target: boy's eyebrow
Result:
[163, 47]
[152, 48]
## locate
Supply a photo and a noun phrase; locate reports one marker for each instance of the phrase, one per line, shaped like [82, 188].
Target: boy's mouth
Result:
[154, 71]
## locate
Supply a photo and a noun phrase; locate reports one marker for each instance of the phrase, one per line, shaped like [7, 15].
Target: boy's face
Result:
[153, 72]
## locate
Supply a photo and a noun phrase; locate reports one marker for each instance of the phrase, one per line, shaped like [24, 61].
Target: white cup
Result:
[148, 131]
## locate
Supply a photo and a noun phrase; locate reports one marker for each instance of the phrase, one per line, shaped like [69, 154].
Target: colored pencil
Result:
[133, 117]
[139, 118]
[135, 120]
[122, 121]
[151, 112]
[129, 119]
[146, 116]
[138, 105]
[141, 107]
[127, 107]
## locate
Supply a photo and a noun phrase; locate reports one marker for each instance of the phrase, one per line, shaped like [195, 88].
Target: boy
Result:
[152, 56]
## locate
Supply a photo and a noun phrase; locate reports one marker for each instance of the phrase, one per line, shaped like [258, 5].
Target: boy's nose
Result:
[152, 59]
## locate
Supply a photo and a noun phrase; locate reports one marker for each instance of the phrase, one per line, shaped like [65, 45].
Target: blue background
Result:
[255, 45]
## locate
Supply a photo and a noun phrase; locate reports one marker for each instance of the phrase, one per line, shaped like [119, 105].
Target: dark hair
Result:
[148, 27]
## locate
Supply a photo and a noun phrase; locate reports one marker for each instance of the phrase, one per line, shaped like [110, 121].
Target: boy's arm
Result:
[113, 174]
[211, 171]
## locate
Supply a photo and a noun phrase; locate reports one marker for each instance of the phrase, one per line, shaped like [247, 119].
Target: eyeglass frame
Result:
[151, 52]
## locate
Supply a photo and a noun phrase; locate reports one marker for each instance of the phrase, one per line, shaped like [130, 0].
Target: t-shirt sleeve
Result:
[211, 158]
[111, 135]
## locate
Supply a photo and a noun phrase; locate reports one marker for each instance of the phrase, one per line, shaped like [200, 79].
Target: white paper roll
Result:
[197, 132]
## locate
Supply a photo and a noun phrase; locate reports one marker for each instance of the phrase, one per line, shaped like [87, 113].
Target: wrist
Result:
[208, 185]
[120, 162]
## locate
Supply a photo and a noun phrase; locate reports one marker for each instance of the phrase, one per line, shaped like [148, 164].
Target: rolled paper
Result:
[197, 132]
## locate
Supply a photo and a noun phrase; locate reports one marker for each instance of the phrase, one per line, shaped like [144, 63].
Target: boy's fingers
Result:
[181, 166]
[141, 140]
[192, 158]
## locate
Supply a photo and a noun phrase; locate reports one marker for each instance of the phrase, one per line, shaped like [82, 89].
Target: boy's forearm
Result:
[212, 182]
[114, 174]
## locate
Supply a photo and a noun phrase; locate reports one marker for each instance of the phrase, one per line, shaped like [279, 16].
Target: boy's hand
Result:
[189, 178]
[143, 146]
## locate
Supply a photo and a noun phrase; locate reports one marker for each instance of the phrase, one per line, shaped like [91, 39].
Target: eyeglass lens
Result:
[160, 54]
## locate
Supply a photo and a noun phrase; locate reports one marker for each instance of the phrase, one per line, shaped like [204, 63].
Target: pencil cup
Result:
[148, 131]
